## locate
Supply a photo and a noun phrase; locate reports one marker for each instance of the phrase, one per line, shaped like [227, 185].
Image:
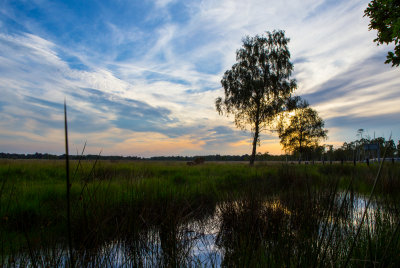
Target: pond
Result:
[288, 229]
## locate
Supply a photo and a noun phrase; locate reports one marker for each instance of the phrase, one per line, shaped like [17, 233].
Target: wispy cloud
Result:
[141, 77]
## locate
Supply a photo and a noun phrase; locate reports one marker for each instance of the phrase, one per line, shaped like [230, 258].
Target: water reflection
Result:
[284, 230]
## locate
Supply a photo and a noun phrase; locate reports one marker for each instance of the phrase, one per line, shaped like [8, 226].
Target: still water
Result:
[278, 230]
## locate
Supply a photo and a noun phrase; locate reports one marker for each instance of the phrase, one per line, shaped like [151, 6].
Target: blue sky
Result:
[141, 77]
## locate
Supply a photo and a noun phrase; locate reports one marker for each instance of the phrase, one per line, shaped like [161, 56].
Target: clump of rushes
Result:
[155, 214]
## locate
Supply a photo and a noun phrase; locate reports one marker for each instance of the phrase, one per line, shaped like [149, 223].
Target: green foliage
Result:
[385, 18]
[258, 86]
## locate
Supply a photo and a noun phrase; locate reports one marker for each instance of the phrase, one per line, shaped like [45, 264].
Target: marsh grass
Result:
[148, 214]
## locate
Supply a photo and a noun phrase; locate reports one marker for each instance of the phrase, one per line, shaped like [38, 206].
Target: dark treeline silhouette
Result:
[349, 151]
[72, 157]
[358, 150]
[217, 157]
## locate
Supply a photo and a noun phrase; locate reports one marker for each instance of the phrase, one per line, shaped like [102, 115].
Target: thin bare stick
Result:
[71, 256]
[79, 161]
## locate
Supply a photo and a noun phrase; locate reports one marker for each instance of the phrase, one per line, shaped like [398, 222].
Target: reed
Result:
[158, 213]
[68, 187]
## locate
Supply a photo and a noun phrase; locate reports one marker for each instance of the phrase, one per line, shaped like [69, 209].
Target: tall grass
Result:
[153, 214]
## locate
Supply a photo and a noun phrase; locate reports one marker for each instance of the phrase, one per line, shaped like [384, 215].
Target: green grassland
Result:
[137, 201]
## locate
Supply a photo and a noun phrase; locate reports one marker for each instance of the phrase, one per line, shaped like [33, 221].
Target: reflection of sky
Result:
[141, 77]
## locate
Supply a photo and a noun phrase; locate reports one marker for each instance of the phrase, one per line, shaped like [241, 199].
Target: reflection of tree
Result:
[287, 230]
[256, 232]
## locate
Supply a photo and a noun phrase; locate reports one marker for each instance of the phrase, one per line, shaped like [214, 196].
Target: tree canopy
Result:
[385, 18]
[258, 86]
[302, 131]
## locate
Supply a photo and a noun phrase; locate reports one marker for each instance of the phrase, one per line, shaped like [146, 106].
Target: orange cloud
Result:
[245, 146]
[152, 144]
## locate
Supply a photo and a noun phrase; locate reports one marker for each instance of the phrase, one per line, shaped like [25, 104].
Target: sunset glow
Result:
[141, 77]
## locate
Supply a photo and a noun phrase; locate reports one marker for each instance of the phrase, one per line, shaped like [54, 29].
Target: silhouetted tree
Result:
[385, 18]
[390, 148]
[380, 141]
[302, 131]
[340, 154]
[398, 148]
[348, 150]
[257, 87]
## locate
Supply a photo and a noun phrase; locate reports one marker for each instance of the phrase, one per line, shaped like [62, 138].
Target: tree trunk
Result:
[300, 149]
[253, 153]
[256, 133]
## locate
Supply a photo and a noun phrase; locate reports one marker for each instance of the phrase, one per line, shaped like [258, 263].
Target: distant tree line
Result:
[349, 151]
[217, 157]
[72, 157]
[356, 149]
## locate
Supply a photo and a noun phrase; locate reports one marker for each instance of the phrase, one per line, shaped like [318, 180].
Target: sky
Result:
[140, 78]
